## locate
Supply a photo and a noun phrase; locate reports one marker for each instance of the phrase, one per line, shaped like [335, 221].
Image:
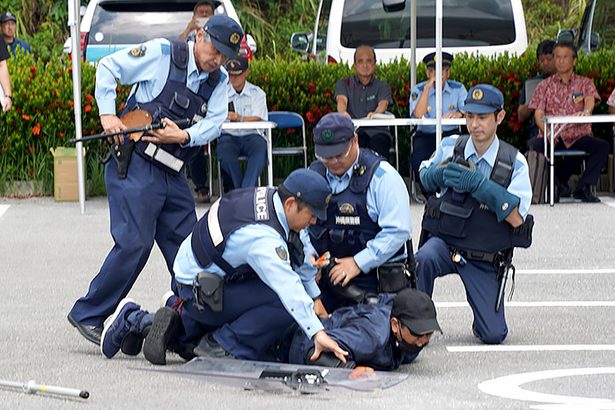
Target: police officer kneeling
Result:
[480, 214]
[241, 278]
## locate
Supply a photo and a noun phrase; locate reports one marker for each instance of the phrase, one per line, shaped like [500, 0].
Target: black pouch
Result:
[393, 277]
[210, 290]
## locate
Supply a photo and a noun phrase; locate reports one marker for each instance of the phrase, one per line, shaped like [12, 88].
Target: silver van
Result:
[597, 30]
[485, 27]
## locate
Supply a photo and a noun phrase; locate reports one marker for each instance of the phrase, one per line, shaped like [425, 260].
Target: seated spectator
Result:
[566, 93]
[362, 96]
[544, 55]
[611, 103]
[247, 103]
[202, 11]
[8, 23]
[423, 103]
[5, 79]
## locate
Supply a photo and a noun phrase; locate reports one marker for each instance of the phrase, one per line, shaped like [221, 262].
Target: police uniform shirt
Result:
[520, 182]
[149, 71]
[250, 102]
[262, 248]
[388, 204]
[453, 96]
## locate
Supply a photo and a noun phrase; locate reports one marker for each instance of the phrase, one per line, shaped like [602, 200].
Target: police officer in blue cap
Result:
[368, 226]
[423, 105]
[480, 213]
[150, 199]
[242, 279]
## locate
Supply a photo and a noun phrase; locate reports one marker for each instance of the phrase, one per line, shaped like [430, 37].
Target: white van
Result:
[485, 27]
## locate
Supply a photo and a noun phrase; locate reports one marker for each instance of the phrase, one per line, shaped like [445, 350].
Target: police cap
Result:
[225, 34]
[8, 16]
[416, 311]
[430, 59]
[312, 188]
[483, 99]
[237, 66]
[331, 135]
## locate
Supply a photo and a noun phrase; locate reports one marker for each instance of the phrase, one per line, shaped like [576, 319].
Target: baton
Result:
[31, 387]
[181, 123]
[502, 289]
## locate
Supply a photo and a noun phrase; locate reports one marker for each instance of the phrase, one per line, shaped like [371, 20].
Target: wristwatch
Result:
[188, 139]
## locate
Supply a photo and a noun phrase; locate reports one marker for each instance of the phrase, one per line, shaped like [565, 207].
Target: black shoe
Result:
[564, 191]
[132, 343]
[208, 347]
[585, 194]
[91, 333]
[160, 335]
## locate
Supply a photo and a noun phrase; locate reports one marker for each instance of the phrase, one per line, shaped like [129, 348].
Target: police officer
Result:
[368, 222]
[480, 214]
[151, 200]
[382, 336]
[423, 105]
[236, 279]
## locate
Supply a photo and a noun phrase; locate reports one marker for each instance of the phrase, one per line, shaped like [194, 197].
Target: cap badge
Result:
[281, 252]
[477, 94]
[235, 38]
[138, 51]
[346, 209]
[327, 135]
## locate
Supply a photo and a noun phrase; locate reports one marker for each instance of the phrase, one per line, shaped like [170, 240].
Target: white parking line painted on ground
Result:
[509, 387]
[3, 209]
[526, 348]
[546, 303]
[564, 271]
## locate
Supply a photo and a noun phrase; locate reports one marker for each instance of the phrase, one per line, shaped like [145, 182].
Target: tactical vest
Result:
[238, 208]
[348, 227]
[464, 223]
[175, 101]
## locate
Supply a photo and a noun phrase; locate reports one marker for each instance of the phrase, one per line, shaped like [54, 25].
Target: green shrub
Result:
[43, 117]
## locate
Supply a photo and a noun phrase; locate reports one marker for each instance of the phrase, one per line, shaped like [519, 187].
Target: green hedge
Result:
[43, 117]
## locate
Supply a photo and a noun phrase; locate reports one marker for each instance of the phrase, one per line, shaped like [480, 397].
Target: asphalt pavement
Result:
[560, 352]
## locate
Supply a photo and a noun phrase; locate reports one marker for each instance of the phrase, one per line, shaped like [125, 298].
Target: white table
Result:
[257, 125]
[549, 127]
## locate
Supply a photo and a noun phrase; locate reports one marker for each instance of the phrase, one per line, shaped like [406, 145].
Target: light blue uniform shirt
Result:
[388, 204]
[150, 72]
[520, 182]
[256, 245]
[453, 96]
[252, 101]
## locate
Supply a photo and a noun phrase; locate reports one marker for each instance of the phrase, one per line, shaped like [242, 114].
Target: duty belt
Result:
[158, 154]
[476, 255]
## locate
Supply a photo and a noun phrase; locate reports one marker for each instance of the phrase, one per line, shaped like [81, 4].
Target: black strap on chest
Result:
[504, 162]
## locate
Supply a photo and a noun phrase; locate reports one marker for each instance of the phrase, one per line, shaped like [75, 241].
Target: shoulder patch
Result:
[282, 253]
[454, 84]
[137, 51]
[379, 172]
[414, 96]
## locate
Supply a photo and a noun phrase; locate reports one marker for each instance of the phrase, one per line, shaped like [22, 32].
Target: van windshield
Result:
[465, 23]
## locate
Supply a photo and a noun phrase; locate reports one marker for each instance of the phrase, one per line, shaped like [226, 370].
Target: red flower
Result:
[89, 98]
[61, 134]
[25, 117]
[36, 130]
[33, 69]
[310, 117]
[88, 108]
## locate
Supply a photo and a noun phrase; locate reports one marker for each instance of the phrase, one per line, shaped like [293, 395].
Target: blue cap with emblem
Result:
[331, 135]
[225, 34]
[483, 99]
[8, 16]
[237, 66]
[312, 188]
[430, 59]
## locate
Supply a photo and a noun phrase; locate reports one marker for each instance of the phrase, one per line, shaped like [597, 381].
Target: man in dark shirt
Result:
[362, 96]
[5, 80]
[8, 23]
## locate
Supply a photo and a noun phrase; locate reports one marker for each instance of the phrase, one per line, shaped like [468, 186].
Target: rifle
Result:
[141, 122]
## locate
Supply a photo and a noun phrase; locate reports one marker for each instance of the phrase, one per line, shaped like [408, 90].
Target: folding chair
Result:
[286, 120]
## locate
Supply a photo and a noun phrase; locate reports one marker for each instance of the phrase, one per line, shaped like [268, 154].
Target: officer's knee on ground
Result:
[493, 337]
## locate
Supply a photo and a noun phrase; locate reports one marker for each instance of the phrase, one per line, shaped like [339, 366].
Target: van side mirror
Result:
[393, 5]
[566, 36]
[595, 41]
[300, 42]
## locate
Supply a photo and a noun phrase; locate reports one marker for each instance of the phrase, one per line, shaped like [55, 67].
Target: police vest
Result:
[175, 101]
[465, 224]
[348, 227]
[238, 208]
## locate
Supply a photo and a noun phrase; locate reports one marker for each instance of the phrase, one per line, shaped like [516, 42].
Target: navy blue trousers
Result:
[231, 147]
[251, 321]
[480, 282]
[149, 205]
